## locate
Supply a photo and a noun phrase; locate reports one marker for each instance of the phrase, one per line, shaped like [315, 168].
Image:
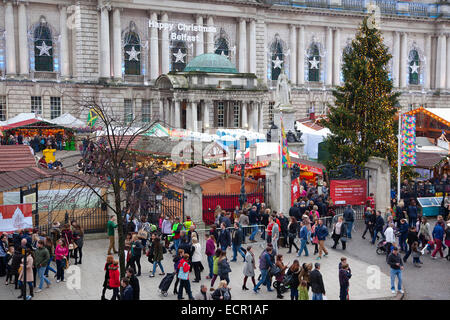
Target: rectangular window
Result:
[271, 104]
[2, 108]
[146, 110]
[128, 110]
[220, 114]
[236, 114]
[36, 105]
[55, 107]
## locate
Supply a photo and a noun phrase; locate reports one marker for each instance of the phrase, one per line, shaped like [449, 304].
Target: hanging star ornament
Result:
[414, 68]
[314, 63]
[277, 63]
[179, 56]
[44, 49]
[133, 54]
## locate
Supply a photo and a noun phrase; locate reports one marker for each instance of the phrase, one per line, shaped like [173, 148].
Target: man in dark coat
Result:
[134, 283]
[236, 242]
[317, 286]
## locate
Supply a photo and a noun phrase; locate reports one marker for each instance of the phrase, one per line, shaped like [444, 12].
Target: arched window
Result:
[414, 67]
[179, 55]
[222, 48]
[43, 47]
[277, 56]
[132, 51]
[314, 63]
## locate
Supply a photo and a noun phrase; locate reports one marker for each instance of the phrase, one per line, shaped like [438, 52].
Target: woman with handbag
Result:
[315, 240]
[279, 276]
[136, 253]
[28, 268]
[196, 259]
[78, 238]
[249, 267]
[158, 256]
[223, 267]
[114, 279]
[67, 235]
[61, 259]
[109, 261]
[291, 279]
[222, 292]
[293, 230]
[183, 276]
[339, 233]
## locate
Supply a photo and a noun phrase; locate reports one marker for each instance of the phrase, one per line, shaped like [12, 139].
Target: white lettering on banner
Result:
[183, 27]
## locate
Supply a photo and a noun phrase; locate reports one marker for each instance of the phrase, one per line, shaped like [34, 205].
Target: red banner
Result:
[295, 191]
[352, 192]
[15, 217]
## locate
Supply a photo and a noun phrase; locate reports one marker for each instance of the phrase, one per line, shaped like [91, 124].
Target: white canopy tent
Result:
[68, 121]
[311, 138]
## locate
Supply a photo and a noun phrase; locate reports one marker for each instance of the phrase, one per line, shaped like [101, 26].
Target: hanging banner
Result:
[295, 190]
[352, 192]
[15, 217]
[286, 158]
[408, 141]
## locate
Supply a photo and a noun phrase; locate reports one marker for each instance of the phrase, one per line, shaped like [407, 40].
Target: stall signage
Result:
[352, 192]
[15, 217]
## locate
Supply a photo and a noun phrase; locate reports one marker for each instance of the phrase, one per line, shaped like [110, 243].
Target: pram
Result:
[165, 283]
[381, 247]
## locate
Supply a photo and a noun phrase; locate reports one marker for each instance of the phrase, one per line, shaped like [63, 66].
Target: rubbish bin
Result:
[49, 155]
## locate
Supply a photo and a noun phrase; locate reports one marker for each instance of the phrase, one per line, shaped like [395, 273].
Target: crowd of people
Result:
[37, 142]
[27, 256]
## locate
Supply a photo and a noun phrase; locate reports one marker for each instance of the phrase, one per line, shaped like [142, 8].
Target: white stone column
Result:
[23, 42]
[261, 117]
[189, 116]
[428, 61]
[244, 115]
[10, 41]
[65, 66]
[117, 44]
[165, 46]
[177, 114]
[242, 45]
[251, 123]
[396, 59]
[154, 49]
[194, 116]
[337, 57]
[404, 60]
[210, 36]
[105, 57]
[447, 62]
[301, 56]
[441, 63]
[161, 110]
[293, 53]
[206, 115]
[166, 106]
[255, 116]
[199, 45]
[252, 46]
[329, 70]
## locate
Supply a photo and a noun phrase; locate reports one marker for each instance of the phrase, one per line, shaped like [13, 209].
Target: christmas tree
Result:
[362, 119]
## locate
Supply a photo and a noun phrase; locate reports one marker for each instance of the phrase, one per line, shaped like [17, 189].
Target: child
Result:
[303, 290]
[416, 254]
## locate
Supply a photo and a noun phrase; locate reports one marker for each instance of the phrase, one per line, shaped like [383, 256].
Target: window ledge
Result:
[133, 78]
[47, 75]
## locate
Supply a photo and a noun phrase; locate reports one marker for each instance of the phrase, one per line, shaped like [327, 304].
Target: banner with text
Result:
[352, 192]
[15, 217]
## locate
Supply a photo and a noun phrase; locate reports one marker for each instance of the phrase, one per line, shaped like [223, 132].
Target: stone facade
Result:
[89, 60]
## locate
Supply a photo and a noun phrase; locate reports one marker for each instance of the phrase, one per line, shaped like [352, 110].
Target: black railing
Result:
[359, 211]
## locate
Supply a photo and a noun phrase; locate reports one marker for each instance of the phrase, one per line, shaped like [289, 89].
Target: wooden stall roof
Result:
[16, 157]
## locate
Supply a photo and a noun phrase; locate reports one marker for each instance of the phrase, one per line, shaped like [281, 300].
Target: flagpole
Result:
[399, 166]
[281, 163]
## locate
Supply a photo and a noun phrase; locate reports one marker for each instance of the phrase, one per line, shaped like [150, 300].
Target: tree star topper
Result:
[179, 56]
[133, 54]
[44, 49]
[277, 63]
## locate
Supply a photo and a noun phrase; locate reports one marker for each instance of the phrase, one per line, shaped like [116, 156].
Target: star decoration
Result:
[414, 68]
[44, 49]
[314, 63]
[179, 56]
[133, 54]
[277, 63]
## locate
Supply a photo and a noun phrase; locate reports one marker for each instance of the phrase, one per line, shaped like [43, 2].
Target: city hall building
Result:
[206, 64]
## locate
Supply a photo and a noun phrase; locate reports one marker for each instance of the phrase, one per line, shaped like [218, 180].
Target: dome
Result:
[211, 63]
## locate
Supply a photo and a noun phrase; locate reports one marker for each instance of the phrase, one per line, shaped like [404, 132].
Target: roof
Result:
[31, 175]
[211, 63]
[69, 121]
[428, 159]
[24, 119]
[440, 114]
[16, 157]
[197, 174]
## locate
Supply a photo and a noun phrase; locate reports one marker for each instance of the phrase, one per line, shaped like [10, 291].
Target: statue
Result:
[283, 93]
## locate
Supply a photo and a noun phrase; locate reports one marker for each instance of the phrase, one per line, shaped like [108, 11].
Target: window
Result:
[55, 107]
[222, 47]
[314, 63]
[277, 58]
[414, 65]
[128, 110]
[271, 104]
[220, 114]
[179, 53]
[43, 47]
[2, 108]
[236, 114]
[36, 105]
[132, 51]
[146, 110]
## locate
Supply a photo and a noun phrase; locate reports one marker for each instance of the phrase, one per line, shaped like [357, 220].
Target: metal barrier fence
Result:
[359, 211]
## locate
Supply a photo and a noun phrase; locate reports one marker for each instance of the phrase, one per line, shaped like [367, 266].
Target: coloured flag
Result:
[408, 141]
[286, 158]
[92, 117]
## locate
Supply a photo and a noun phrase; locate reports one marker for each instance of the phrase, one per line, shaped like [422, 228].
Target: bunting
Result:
[286, 158]
[408, 141]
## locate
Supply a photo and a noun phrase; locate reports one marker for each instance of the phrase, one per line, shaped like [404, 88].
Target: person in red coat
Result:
[114, 279]
[183, 275]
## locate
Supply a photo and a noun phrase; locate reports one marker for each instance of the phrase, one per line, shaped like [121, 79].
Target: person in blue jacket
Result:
[412, 213]
[253, 221]
[265, 264]
[303, 239]
[403, 228]
[438, 236]
[321, 232]
[379, 223]
[127, 293]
